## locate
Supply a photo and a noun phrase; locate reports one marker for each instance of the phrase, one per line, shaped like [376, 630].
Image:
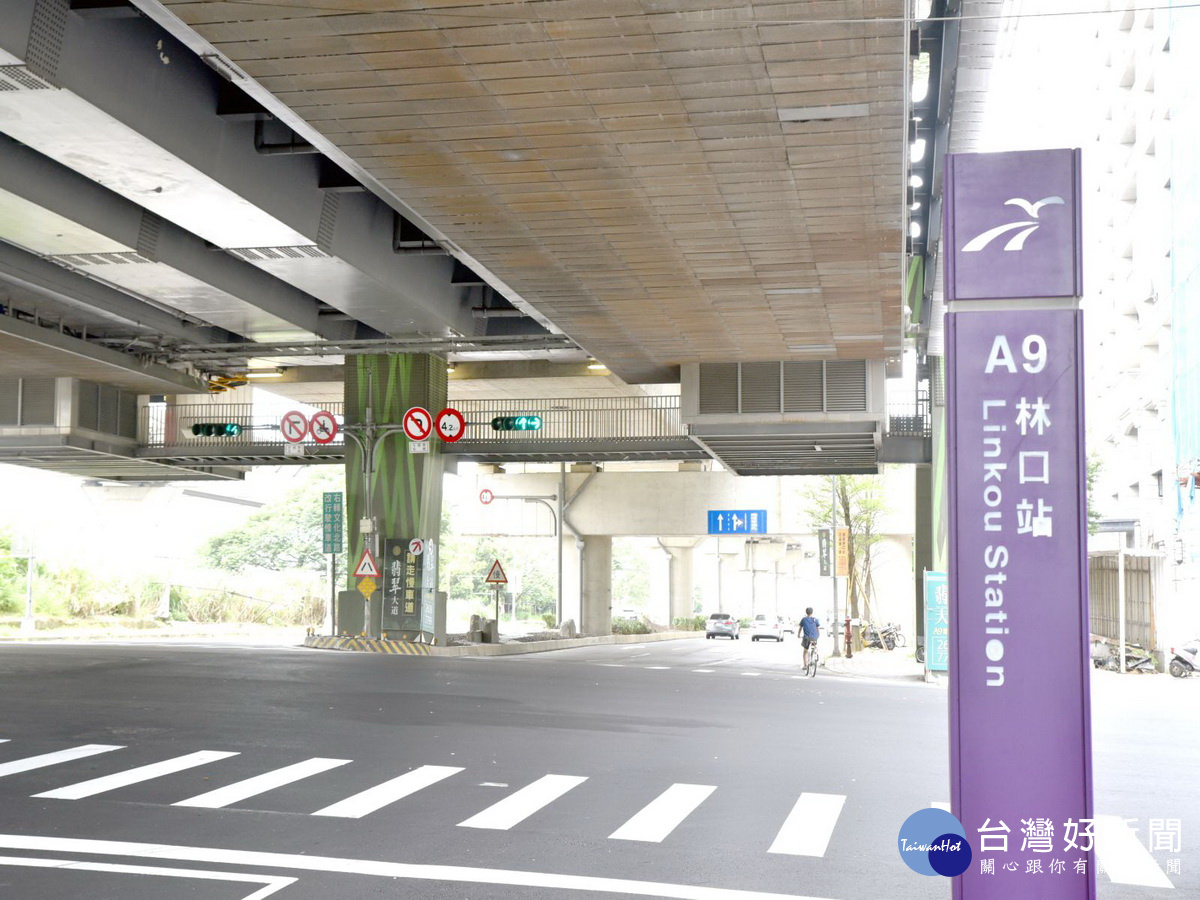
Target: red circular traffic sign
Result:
[486, 496]
[323, 426]
[450, 424]
[416, 546]
[418, 423]
[294, 426]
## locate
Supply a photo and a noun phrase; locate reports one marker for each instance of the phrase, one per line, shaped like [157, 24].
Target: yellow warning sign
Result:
[366, 586]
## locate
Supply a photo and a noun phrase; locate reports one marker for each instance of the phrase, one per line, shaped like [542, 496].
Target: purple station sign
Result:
[1020, 736]
[1013, 225]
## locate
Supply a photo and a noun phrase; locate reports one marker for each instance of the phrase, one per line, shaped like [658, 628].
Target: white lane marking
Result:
[133, 776]
[704, 671]
[752, 674]
[272, 883]
[59, 756]
[260, 784]
[1124, 857]
[5, 740]
[381, 795]
[664, 813]
[365, 867]
[656, 667]
[809, 826]
[524, 803]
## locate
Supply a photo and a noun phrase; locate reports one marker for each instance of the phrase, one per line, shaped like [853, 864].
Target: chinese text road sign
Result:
[737, 521]
[825, 552]
[842, 550]
[937, 622]
[332, 522]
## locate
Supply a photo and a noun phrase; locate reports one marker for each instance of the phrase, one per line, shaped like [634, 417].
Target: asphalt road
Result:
[690, 768]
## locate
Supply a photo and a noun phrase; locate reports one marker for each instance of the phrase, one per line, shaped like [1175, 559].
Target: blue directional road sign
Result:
[737, 521]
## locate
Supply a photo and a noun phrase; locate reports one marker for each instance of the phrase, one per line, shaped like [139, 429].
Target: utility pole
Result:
[837, 625]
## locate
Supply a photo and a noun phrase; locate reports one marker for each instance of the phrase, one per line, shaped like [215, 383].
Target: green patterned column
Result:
[406, 490]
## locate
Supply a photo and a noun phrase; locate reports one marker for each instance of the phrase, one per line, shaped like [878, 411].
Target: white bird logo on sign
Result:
[1017, 241]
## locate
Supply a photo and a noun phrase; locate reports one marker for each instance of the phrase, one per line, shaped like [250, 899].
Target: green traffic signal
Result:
[517, 423]
[216, 429]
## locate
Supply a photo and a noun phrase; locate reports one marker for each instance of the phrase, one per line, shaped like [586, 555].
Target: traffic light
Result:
[516, 423]
[216, 429]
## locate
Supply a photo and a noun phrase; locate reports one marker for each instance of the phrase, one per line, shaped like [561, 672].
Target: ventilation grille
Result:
[87, 260]
[104, 408]
[27, 401]
[19, 78]
[783, 387]
[258, 254]
[719, 388]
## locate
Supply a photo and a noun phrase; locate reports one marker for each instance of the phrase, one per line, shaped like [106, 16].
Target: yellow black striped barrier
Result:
[365, 645]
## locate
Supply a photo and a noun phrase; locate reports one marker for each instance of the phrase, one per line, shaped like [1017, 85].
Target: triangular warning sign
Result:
[366, 565]
[496, 574]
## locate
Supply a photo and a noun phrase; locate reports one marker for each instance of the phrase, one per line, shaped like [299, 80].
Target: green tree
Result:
[283, 536]
[1094, 465]
[854, 502]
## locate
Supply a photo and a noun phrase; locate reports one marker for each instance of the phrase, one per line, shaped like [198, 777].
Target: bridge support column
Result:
[681, 552]
[596, 613]
[395, 491]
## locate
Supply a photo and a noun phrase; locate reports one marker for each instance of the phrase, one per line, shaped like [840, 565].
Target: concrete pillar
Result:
[596, 615]
[682, 554]
[401, 491]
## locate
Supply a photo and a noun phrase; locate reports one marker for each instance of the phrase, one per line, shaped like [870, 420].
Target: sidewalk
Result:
[897, 665]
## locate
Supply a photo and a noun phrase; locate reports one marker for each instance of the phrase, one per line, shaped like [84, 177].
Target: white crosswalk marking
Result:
[664, 813]
[809, 825]
[134, 776]
[1124, 857]
[519, 806]
[51, 759]
[260, 784]
[381, 795]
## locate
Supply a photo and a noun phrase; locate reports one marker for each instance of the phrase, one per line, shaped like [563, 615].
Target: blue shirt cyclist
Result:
[810, 628]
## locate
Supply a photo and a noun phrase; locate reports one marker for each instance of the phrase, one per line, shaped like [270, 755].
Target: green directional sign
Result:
[332, 522]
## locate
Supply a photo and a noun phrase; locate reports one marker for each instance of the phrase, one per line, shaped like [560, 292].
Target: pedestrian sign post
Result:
[497, 577]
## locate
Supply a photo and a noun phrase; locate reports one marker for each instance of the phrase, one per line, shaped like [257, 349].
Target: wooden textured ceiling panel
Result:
[667, 182]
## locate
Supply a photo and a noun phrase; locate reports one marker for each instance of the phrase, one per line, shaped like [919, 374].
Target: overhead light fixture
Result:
[450, 367]
[824, 113]
[594, 365]
[817, 447]
[265, 373]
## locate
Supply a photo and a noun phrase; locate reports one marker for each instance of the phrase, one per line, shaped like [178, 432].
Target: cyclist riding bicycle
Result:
[810, 630]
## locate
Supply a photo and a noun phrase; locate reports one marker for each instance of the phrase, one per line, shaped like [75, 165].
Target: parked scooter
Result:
[886, 638]
[1185, 660]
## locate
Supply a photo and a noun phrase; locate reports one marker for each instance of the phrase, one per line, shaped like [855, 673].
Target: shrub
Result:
[689, 623]
[630, 626]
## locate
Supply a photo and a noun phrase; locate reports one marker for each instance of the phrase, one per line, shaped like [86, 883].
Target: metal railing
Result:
[166, 425]
[575, 419]
[563, 419]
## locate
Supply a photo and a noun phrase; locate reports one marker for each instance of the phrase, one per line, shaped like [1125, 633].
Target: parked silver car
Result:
[722, 623]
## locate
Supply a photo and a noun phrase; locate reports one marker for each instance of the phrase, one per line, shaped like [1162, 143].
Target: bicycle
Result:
[814, 657]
